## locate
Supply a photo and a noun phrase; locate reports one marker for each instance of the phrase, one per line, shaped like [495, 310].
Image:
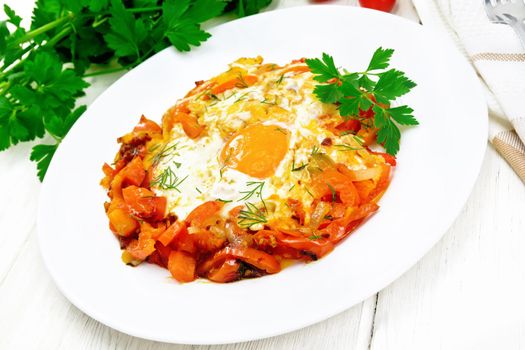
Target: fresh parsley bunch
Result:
[377, 87]
[43, 69]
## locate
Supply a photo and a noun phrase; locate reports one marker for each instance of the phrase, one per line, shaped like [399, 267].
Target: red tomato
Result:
[381, 5]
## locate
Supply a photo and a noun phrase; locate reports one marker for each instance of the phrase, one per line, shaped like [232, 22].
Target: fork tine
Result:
[489, 9]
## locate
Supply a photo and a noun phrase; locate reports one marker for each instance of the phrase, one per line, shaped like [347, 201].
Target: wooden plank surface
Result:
[465, 294]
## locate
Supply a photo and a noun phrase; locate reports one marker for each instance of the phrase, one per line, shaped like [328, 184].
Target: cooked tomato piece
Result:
[340, 228]
[297, 69]
[207, 241]
[144, 203]
[314, 246]
[122, 223]
[182, 266]
[152, 231]
[241, 81]
[184, 242]
[352, 125]
[163, 252]
[330, 183]
[149, 126]
[227, 272]
[254, 257]
[190, 125]
[141, 248]
[382, 184]
[133, 173]
[171, 232]
[202, 212]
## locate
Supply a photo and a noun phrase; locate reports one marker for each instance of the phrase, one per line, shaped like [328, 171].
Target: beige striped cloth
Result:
[496, 53]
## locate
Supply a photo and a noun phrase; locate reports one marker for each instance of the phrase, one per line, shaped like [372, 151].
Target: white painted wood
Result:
[466, 293]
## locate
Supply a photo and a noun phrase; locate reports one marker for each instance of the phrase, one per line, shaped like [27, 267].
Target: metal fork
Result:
[510, 12]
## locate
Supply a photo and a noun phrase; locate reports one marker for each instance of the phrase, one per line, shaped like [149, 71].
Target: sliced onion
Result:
[193, 229]
[237, 238]
[318, 215]
[364, 174]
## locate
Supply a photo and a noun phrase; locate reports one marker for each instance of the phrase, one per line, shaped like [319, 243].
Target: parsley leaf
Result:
[324, 69]
[393, 84]
[403, 115]
[328, 93]
[360, 91]
[380, 59]
[42, 154]
[127, 34]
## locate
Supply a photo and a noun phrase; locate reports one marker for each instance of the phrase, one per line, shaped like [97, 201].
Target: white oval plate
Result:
[437, 167]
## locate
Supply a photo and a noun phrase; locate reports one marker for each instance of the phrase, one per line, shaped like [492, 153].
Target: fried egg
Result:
[256, 128]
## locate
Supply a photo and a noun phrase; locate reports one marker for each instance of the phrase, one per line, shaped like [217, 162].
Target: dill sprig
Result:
[280, 80]
[166, 151]
[241, 83]
[168, 180]
[255, 190]
[251, 216]
[300, 167]
[346, 147]
[267, 102]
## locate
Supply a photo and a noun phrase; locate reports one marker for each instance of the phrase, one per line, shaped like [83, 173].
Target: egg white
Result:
[197, 161]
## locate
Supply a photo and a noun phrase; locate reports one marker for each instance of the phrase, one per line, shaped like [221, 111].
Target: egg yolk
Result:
[256, 150]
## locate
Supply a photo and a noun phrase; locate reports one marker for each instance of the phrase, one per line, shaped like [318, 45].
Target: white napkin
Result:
[499, 58]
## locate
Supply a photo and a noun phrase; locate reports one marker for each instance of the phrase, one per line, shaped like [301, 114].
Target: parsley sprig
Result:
[376, 87]
[43, 69]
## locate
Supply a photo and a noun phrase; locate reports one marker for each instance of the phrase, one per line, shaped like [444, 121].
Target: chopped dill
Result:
[256, 189]
[343, 147]
[280, 80]
[308, 191]
[359, 139]
[265, 101]
[224, 200]
[168, 180]
[314, 237]
[291, 188]
[197, 189]
[241, 83]
[315, 150]
[242, 97]
[251, 216]
[166, 151]
[281, 130]
[299, 168]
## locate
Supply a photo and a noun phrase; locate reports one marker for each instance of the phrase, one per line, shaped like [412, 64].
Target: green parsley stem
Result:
[145, 9]
[21, 54]
[46, 27]
[105, 71]
[59, 36]
[4, 86]
[98, 22]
